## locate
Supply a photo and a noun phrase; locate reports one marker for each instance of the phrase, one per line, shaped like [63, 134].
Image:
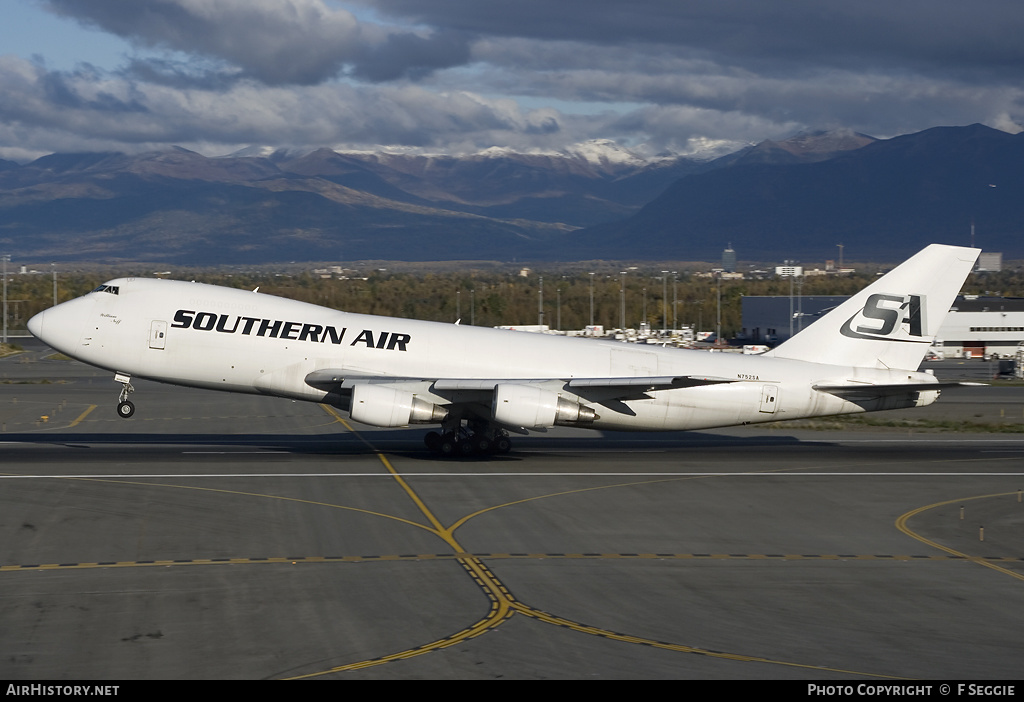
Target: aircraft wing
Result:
[627, 385]
[331, 379]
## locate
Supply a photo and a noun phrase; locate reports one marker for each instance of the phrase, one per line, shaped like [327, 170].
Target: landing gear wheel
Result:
[448, 445]
[125, 409]
[476, 438]
[432, 440]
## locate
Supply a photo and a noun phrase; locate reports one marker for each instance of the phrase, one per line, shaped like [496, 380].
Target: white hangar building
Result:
[983, 327]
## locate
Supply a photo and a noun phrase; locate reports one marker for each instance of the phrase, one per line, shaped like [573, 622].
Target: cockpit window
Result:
[112, 289]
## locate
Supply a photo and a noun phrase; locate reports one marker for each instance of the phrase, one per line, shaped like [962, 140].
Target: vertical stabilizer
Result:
[892, 322]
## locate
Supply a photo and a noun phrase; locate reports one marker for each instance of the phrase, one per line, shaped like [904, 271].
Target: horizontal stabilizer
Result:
[880, 390]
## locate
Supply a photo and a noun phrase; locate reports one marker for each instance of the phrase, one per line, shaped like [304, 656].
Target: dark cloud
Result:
[454, 75]
[40, 109]
[305, 42]
[299, 42]
[407, 55]
[182, 75]
[293, 42]
[937, 33]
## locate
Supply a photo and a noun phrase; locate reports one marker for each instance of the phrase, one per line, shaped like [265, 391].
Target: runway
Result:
[217, 536]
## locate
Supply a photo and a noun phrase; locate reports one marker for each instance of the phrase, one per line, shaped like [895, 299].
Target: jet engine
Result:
[533, 407]
[384, 406]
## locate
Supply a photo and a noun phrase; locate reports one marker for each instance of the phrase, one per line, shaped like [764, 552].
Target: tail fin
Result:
[890, 323]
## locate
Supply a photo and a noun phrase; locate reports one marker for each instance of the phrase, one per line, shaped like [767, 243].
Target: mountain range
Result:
[883, 201]
[795, 198]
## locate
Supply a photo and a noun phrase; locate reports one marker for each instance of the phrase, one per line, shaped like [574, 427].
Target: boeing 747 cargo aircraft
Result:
[479, 384]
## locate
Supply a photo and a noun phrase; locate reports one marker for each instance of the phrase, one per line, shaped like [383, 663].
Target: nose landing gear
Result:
[125, 408]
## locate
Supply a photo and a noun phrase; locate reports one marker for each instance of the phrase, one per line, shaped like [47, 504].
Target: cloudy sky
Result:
[461, 75]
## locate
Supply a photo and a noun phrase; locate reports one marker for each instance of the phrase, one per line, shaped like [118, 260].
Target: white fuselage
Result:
[226, 339]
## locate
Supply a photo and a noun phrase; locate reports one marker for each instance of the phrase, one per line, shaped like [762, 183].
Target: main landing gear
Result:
[125, 409]
[474, 439]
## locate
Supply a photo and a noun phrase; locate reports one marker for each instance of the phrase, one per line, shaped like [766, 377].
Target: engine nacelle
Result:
[384, 406]
[533, 407]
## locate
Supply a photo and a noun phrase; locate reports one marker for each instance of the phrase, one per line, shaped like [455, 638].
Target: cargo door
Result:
[769, 398]
[157, 334]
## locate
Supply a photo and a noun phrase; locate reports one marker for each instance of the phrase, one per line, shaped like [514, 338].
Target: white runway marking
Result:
[459, 474]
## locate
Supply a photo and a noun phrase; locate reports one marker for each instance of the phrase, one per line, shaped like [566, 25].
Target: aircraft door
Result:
[157, 334]
[769, 398]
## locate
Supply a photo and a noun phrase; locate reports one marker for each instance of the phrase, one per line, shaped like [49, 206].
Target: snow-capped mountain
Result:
[272, 204]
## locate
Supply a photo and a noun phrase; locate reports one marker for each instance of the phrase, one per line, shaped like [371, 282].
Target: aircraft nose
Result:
[35, 325]
[60, 327]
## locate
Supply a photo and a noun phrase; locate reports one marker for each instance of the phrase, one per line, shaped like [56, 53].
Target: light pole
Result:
[540, 303]
[6, 257]
[789, 264]
[664, 302]
[591, 299]
[558, 308]
[53, 267]
[622, 300]
[799, 303]
[675, 300]
[718, 326]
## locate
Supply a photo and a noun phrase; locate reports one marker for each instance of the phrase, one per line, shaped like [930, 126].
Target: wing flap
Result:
[885, 389]
[665, 382]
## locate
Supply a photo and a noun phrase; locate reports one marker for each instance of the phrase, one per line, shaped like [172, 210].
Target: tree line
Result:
[562, 300]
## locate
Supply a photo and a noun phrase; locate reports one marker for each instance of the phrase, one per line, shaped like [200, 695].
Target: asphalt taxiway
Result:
[227, 536]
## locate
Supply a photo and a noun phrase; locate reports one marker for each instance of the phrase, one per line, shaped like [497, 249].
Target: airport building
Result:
[976, 327]
[729, 260]
[990, 261]
[983, 326]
